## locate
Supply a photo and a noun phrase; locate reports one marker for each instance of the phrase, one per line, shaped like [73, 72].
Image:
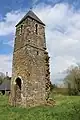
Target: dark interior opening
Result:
[36, 28]
[18, 82]
[3, 92]
[37, 52]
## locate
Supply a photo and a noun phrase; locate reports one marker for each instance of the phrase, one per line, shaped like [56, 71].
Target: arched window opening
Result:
[18, 83]
[36, 28]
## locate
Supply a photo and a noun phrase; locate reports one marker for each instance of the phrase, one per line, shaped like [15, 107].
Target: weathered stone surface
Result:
[31, 65]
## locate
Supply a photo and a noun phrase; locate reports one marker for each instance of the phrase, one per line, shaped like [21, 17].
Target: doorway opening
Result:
[18, 90]
[18, 83]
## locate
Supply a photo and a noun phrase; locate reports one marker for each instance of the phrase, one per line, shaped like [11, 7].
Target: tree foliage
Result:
[73, 80]
[52, 86]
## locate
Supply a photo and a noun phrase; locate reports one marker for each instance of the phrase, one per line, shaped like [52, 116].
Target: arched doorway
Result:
[18, 90]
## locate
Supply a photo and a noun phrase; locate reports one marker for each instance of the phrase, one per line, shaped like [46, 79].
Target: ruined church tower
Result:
[30, 71]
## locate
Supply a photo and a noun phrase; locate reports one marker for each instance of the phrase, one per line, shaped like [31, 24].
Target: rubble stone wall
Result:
[31, 63]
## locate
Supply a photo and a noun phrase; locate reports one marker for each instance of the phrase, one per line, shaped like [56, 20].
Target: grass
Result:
[67, 108]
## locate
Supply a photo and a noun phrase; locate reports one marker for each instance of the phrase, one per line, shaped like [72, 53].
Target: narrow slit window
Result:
[21, 28]
[36, 28]
[37, 52]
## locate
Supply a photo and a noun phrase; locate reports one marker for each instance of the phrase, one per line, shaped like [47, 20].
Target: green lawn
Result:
[67, 108]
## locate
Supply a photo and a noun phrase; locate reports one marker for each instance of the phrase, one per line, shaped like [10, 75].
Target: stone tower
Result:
[30, 71]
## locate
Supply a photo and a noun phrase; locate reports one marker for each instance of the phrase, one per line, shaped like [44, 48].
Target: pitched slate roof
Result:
[31, 15]
[6, 84]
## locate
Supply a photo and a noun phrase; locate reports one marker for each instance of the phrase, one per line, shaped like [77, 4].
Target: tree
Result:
[73, 80]
[2, 76]
[52, 86]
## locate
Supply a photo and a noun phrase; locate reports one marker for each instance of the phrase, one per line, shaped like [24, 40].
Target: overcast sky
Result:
[62, 19]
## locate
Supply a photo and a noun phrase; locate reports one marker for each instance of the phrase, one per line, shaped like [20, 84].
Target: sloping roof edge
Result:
[31, 15]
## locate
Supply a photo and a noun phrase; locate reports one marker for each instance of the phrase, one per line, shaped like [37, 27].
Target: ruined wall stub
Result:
[30, 64]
